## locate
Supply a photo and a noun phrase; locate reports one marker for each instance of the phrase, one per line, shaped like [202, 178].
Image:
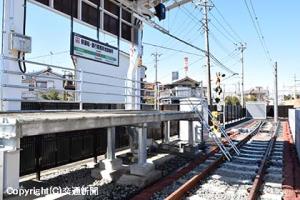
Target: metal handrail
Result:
[223, 132]
[133, 90]
[212, 134]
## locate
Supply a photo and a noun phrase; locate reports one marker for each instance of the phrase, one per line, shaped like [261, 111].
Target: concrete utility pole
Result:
[275, 94]
[206, 8]
[242, 48]
[156, 102]
[295, 87]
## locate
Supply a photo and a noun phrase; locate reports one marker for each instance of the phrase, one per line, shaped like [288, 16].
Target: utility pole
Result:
[295, 87]
[206, 8]
[156, 101]
[242, 48]
[276, 94]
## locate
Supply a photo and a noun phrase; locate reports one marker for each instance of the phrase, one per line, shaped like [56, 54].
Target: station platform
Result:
[36, 123]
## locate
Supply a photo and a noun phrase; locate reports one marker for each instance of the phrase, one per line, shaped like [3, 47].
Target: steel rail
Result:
[257, 183]
[190, 184]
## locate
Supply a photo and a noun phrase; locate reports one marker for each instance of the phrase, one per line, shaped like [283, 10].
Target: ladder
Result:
[212, 134]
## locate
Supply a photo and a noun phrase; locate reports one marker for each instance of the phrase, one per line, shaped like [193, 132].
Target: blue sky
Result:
[279, 21]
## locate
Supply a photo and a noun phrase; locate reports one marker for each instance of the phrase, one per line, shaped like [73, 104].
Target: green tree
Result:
[51, 95]
[287, 97]
[232, 100]
[250, 98]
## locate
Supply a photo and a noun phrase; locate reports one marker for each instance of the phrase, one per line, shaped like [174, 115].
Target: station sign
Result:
[91, 49]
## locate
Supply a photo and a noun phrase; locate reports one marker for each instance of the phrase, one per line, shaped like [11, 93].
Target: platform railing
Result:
[98, 86]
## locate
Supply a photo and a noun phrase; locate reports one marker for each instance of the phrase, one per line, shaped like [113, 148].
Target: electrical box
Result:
[20, 43]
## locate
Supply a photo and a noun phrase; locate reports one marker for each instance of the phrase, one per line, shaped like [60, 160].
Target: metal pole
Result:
[206, 7]
[276, 94]
[242, 48]
[224, 107]
[156, 103]
[295, 87]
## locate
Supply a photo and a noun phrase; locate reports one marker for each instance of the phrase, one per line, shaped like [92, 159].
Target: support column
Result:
[10, 155]
[111, 141]
[111, 163]
[142, 173]
[142, 168]
[142, 146]
[111, 167]
[191, 134]
[166, 132]
[191, 149]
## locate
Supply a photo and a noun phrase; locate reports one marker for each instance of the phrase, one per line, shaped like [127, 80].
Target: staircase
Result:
[212, 135]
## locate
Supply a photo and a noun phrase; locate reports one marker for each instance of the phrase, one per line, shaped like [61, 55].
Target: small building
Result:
[43, 81]
[258, 93]
[182, 88]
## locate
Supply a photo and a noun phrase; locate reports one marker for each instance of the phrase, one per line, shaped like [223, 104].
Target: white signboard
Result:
[94, 50]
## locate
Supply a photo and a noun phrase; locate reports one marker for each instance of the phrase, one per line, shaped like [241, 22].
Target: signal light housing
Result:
[160, 11]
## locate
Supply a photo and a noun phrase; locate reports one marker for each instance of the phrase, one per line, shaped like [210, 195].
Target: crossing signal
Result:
[218, 88]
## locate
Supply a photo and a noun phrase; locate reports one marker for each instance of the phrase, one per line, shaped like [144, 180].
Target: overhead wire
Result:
[233, 38]
[171, 49]
[227, 23]
[260, 30]
[261, 37]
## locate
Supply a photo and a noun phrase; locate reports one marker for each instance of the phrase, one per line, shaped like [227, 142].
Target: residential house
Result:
[43, 81]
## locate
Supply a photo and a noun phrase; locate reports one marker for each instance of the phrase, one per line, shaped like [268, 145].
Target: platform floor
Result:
[36, 123]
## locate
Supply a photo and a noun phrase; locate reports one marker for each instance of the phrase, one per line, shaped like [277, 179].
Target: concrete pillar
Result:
[166, 132]
[11, 163]
[111, 138]
[142, 146]
[12, 23]
[111, 167]
[191, 133]
[133, 140]
[142, 168]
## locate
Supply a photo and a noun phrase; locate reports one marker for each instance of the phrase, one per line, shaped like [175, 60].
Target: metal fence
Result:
[232, 113]
[51, 150]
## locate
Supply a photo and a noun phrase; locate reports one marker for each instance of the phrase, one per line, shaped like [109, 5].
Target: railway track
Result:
[242, 178]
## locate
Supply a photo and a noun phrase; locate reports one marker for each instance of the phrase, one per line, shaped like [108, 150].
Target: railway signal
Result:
[218, 88]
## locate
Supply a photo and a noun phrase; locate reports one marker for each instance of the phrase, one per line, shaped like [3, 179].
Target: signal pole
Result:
[156, 101]
[242, 48]
[206, 8]
[276, 94]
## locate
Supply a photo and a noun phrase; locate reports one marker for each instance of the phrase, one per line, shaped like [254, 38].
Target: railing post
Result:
[80, 89]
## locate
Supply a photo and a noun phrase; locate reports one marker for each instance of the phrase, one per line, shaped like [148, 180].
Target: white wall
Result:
[256, 110]
[184, 130]
[294, 121]
[101, 68]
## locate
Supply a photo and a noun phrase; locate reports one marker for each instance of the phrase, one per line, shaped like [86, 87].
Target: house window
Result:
[41, 84]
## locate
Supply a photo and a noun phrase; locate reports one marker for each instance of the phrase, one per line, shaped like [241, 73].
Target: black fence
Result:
[51, 150]
[283, 111]
[67, 106]
[231, 112]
